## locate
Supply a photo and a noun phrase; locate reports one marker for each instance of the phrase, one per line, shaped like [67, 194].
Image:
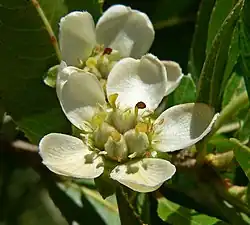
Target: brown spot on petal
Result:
[141, 105]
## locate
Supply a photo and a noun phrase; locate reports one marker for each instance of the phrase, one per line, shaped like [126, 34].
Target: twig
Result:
[22, 145]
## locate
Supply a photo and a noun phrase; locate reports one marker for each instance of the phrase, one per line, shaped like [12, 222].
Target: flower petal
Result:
[145, 175]
[76, 37]
[138, 81]
[182, 126]
[80, 97]
[64, 72]
[174, 75]
[128, 31]
[69, 156]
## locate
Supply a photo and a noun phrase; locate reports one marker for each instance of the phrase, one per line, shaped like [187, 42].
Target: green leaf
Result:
[234, 88]
[184, 93]
[83, 205]
[26, 200]
[213, 70]
[244, 132]
[105, 185]
[220, 11]
[173, 213]
[26, 53]
[242, 155]
[244, 44]
[50, 76]
[128, 214]
[198, 48]
[248, 194]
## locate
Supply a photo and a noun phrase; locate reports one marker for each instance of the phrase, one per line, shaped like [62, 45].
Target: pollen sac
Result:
[141, 105]
[107, 51]
[137, 142]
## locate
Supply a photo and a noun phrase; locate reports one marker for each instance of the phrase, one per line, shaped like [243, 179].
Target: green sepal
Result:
[50, 77]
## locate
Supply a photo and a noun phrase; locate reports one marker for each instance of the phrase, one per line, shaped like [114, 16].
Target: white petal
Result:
[76, 37]
[128, 31]
[181, 126]
[69, 156]
[64, 72]
[145, 175]
[174, 75]
[138, 80]
[80, 97]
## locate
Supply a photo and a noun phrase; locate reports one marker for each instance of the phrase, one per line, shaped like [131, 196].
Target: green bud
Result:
[50, 77]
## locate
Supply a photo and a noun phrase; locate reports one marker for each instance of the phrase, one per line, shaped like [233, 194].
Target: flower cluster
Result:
[117, 132]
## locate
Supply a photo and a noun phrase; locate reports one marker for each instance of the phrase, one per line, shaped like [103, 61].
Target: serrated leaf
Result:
[198, 48]
[242, 155]
[213, 70]
[173, 213]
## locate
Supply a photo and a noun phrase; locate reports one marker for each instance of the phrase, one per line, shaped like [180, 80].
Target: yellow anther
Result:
[141, 127]
[91, 62]
[116, 136]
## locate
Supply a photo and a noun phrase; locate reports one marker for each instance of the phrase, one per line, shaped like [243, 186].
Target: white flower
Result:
[121, 132]
[128, 31]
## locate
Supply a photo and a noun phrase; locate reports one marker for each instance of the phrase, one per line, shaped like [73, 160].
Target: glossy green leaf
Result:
[185, 92]
[26, 54]
[244, 44]
[173, 213]
[198, 48]
[234, 87]
[213, 70]
[32, 104]
[220, 11]
[242, 154]
[244, 132]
